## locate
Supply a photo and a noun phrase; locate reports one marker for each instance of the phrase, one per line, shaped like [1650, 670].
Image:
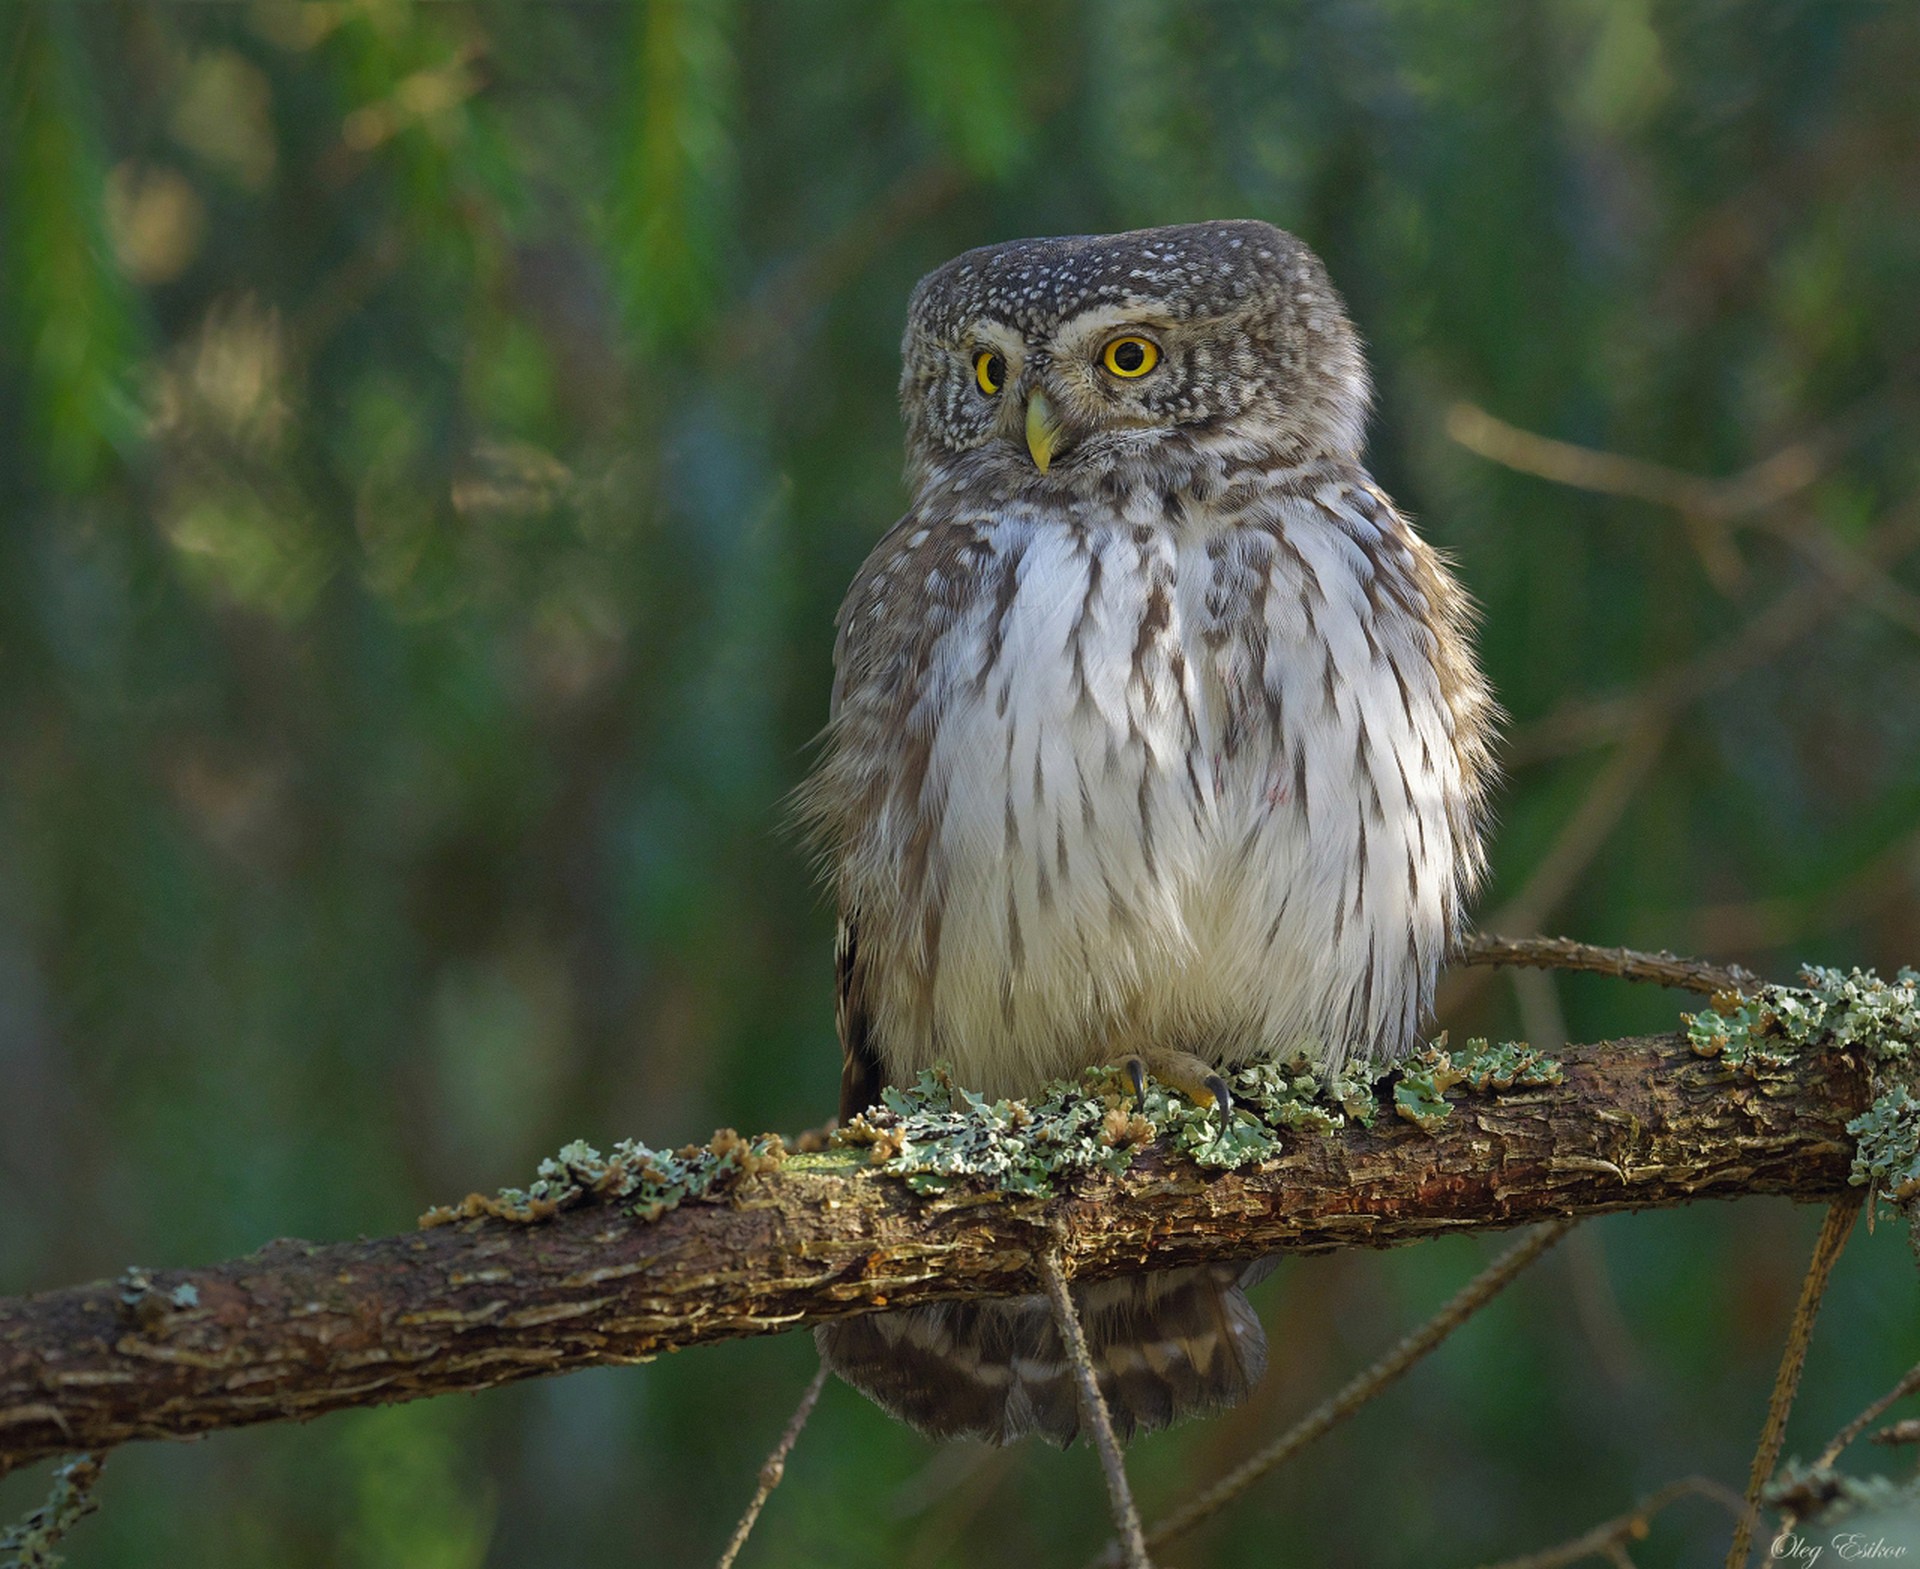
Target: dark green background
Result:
[433, 442]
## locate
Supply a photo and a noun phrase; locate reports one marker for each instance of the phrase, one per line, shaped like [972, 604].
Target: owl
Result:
[1157, 738]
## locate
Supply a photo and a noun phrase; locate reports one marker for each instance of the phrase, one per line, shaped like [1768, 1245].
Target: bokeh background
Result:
[433, 442]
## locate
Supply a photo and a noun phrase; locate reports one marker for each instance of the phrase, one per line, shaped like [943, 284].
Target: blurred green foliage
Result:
[433, 441]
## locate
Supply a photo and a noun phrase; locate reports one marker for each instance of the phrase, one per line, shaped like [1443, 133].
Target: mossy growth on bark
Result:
[31, 1543]
[1835, 1010]
[653, 1181]
[1888, 1150]
[1420, 1089]
[1860, 1518]
[936, 1133]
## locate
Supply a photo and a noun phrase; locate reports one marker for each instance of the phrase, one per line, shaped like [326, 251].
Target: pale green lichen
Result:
[654, 1181]
[1887, 1148]
[134, 1284]
[1510, 1065]
[1809, 1492]
[936, 1133]
[1834, 1010]
[1421, 1098]
[1831, 1008]
[1420, 1094]
[30, 1544]
[1269, 1099]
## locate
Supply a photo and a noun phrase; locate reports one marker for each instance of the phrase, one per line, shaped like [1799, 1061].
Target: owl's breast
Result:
[1083, 713]
[1167, 784]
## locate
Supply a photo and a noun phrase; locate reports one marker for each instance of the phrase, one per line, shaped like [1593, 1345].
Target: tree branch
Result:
[298, 1329]
[1627, 964]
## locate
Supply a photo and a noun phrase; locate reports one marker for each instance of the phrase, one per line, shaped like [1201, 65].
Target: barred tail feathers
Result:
[1165, 1346]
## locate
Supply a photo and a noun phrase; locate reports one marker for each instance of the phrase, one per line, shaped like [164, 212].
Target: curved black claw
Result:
[1137, 1072]
[1217, 1086]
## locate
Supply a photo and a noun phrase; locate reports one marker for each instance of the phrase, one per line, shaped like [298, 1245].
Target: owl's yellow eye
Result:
[989, 370]
[1130, 357]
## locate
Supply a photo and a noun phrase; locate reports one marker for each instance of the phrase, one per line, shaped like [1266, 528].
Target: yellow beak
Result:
[1043, 431]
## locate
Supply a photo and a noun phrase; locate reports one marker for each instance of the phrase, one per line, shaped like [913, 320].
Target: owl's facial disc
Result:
[1064, 362]
[1090, 373]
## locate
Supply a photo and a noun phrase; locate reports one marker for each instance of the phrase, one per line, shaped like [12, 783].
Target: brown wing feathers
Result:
[861, 1076]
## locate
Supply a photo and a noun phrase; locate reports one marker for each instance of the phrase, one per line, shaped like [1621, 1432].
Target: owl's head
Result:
[1056, 364]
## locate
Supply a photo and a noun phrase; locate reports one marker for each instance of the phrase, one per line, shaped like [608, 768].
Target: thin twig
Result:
[1780, 922]
[1755, 492]
[773, 1470]
[1827, 1249]
[1609, 1538]
[1581, 838]
[1093, 1412]
[31, 1543]
[1765, 484]
[1867, 1418]
[1870, 584]
[1597, 1305]
[1628, 964]
[1469, 1300]
[1771, 631]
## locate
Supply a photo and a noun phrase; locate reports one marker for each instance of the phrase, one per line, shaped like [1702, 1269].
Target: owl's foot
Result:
[1192, 1076]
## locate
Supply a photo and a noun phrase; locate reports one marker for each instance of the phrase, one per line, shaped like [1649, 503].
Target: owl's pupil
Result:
[1129, 356]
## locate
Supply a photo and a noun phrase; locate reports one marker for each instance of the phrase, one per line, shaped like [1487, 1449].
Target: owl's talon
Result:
[1222, 1094]
[1182, 1072]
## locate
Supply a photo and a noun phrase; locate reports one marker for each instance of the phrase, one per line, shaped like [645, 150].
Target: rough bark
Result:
[297, 1329]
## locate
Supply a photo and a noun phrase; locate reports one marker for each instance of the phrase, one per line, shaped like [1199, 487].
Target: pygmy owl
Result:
[1157, 735]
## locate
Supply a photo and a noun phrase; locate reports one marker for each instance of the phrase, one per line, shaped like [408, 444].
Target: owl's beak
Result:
[1043, 431]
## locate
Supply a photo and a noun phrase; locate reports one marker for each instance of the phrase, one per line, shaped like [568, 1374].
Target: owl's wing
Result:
[861, 1076]
[920, 577]
[874, 656]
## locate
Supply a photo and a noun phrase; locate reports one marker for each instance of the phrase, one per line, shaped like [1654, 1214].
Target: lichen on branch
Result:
[640, 1252]
[1835, 1011]
[655, 1180]
[935, 1132]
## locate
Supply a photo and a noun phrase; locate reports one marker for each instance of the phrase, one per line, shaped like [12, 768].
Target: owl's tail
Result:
[1167, 1345]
